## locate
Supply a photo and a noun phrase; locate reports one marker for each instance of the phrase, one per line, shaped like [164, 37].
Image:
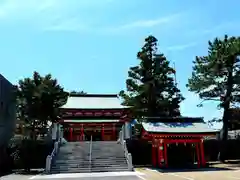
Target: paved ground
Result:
[191, 175]
[102, 178]
[219, 172]
[79, 176]
[15, 177]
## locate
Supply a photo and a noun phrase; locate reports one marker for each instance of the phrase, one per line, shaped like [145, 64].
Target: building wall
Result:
[7, 110]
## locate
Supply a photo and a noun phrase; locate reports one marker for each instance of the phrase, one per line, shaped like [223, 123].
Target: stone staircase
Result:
[108, 156]
[74, 157]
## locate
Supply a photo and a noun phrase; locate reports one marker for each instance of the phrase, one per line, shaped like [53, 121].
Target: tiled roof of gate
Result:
[178, 127]
[93, 101]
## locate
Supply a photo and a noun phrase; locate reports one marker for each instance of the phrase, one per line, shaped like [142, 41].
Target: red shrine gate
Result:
[160, 150]
[106, 131]
[99, 116]
[161, 136]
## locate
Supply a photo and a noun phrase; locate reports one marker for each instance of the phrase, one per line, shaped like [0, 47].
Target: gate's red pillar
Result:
[198, 154]
[82, 132]
[203, 162]
[70, 134]
[160, 154]
[114, 131]
[102, 132]
[165, 154]
[154, 158]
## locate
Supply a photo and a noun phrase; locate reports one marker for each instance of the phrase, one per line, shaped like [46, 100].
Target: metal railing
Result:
[90, 155]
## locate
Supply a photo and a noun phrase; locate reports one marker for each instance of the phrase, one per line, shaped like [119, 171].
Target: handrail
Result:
[49, 158]
[90, 154]
[53, 151]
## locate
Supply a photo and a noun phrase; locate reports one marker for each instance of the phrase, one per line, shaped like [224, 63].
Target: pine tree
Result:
[217, 76]
[38, 101]
[151, 89]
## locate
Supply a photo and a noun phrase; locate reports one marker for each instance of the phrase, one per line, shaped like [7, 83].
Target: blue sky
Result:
[90, 44]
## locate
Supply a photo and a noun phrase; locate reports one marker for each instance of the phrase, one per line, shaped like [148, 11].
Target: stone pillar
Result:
[58, 131]
[54, 131]
[61, 133]
[130, 130]
[130, 165]
[123, 131]
[127, 130]
[48, 163]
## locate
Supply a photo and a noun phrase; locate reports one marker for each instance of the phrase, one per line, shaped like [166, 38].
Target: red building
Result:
[97, 115]
[177, 138]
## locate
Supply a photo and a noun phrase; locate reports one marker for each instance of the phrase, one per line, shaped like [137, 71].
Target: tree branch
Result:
[207, 99]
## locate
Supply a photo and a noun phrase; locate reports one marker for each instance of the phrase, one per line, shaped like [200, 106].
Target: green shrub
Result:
[28, 154]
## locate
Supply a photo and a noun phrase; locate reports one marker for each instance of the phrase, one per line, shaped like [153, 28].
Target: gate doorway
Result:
[182, 155]
[95, 134]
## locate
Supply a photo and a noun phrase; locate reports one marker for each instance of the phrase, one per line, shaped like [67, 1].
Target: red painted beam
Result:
[90, 124]
[169, 141]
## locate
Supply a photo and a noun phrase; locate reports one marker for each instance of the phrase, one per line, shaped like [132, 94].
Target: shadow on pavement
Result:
[31, 172]
[175, 170]
[21, 172]
[5, 174]
[191, 169]
[233, 162]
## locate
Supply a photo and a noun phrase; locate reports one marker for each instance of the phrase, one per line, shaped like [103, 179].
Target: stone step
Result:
[108, 162]
[110, 159]
[110, 166]
[88, 171]
[70, 166]
[72, 157]
[71, 161]
[91, 169]
[80, 170]
[93, 162]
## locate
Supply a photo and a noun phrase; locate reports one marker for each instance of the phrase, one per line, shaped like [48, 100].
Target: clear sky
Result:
[90, 44]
